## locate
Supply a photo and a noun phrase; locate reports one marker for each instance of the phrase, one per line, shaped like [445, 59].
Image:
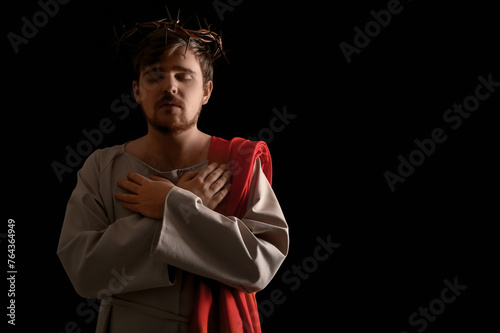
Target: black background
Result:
[352, 121]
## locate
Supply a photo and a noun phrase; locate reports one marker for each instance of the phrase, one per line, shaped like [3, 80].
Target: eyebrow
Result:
[174, 68]
[184, 69]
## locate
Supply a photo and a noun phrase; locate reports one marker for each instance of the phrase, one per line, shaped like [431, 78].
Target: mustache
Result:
[170, 99]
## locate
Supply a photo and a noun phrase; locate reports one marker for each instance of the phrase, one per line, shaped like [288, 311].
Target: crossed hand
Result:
[147, 195]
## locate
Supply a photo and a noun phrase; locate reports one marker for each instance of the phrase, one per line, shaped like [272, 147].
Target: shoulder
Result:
[244, 154]
[100, 159]
[240, 146]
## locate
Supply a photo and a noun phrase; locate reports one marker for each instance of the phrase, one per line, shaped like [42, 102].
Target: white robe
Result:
[143, 268]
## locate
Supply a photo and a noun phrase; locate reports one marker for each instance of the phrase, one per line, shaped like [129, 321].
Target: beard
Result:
[174, 124]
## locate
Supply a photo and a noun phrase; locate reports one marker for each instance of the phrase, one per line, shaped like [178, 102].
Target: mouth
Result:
[170, 102]
[170, 105]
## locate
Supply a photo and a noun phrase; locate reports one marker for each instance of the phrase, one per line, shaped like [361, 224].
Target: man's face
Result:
[171, 92]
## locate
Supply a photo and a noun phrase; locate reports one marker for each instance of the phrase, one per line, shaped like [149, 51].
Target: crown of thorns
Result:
[204, 35]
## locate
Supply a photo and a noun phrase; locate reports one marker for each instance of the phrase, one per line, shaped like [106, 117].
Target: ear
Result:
[207, 92]
[137, 91]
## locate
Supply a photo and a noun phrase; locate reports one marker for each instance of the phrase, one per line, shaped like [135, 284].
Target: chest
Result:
[119, 170]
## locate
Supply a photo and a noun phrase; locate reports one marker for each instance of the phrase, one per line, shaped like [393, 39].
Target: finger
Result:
[127, 198]
[219, 183]
[159, 179]
[131, 206]
[137, 178]
[207, 170]
[214, 175]
[217, 199]
[226, 176]
[128, 185]
[188, 176]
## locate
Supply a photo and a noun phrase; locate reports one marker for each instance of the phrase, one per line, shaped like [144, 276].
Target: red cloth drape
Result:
[218, 307]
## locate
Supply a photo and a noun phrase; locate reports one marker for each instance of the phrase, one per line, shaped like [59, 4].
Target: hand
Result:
[209, 184]
[148, 194]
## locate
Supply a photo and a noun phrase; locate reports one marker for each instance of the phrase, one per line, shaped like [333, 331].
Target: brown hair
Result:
[154, 45]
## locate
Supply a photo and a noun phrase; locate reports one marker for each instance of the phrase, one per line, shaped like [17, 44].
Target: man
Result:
[177, 230]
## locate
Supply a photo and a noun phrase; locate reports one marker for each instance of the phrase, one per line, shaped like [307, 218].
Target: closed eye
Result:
[153, 76]
[183, 77]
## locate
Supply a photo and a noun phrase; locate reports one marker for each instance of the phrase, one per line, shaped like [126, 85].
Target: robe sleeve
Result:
[101, 257]
[242, 253]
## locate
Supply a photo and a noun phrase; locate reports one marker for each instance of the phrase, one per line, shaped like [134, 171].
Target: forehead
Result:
[177, 59]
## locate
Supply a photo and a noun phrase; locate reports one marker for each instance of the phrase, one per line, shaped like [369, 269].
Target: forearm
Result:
[94, 258]
[243, 253]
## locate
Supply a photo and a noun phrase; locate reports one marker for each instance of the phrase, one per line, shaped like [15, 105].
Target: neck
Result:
[174, 151]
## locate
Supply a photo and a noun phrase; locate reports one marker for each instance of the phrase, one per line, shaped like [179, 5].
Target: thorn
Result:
[224, 55]
[186, 21]
[168, 13]
[199, 24]
[187, 45]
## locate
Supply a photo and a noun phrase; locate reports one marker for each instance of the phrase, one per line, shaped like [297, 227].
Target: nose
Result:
[170, 86]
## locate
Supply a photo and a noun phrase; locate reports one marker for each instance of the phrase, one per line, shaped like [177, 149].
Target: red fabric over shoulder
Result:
[218, 307]
[240, 154]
